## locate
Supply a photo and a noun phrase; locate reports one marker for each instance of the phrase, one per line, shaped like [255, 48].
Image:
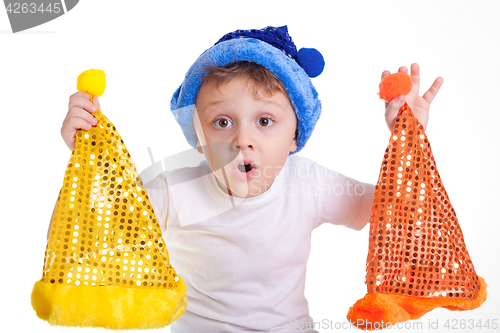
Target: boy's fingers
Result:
[96, 102]
[392, 110]
[85, 115]
[78, 114]
[80, 94]
[433, 90]
[384, 74]
[415, 77]
[81, 102]
[76, 124]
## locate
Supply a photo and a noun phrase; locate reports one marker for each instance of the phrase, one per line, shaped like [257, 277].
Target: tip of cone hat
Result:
[394, 85]
[92, 81]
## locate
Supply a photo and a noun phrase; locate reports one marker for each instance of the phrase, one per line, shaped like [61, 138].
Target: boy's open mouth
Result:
[245, 167]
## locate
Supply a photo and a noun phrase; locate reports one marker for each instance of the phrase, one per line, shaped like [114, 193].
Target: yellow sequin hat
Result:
[106, 264]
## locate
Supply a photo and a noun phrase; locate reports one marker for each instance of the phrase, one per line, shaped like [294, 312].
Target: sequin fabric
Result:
[104, 231]
[416, 245]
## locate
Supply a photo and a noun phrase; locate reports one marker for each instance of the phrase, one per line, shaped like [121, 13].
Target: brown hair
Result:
[257, 75]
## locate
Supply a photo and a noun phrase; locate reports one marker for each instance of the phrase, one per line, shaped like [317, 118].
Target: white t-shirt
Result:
[244, 261]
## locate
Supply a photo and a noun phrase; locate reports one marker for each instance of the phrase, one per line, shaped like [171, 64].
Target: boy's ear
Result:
[293, 147]
[198, 147]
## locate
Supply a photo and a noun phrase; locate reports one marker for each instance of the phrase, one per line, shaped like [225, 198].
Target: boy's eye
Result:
[264, 121]
[222, 123]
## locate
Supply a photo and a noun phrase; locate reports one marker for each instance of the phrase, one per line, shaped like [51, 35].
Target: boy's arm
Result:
[364, 214]
[343, 200]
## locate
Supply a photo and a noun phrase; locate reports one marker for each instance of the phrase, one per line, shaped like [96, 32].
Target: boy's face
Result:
[256, 128]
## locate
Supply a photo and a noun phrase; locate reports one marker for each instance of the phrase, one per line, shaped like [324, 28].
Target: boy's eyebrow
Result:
[219, 101]
[281, 110]
[276, 104]
[211, 104]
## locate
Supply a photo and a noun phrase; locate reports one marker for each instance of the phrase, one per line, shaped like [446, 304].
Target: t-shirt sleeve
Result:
[342, 200]
[157, 190]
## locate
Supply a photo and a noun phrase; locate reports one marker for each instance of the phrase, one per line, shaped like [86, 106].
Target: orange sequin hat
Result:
[417, 259]
[106, 264]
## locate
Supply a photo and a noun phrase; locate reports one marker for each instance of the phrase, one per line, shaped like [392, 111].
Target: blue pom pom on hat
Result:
[311, 60]
[271, 47]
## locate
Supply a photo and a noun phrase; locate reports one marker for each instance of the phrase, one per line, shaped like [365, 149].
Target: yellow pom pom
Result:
[92, 81]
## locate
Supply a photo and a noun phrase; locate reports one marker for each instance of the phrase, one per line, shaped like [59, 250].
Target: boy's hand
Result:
[419, 104]
[78, 117]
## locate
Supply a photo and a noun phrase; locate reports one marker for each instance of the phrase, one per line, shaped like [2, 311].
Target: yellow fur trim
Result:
[377, 311]
[111, 307]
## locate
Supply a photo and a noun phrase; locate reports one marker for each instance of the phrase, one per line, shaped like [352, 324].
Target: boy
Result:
[238, 226]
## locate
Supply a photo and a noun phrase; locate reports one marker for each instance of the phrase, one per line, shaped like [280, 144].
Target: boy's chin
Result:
[241, 188]
[246, 191]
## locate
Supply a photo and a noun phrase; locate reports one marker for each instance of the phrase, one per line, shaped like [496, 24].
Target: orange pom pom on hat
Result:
[417, 259]
[394, 85]
[106, 264]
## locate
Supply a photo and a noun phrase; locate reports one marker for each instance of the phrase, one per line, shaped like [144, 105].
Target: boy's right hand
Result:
[79, 116]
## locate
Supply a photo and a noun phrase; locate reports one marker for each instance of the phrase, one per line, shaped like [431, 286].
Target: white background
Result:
[145, 48]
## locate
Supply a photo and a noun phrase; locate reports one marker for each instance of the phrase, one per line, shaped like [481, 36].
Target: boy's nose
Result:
[243, 145]
[244, 139]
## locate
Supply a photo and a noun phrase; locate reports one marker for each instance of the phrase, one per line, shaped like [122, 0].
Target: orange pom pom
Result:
[394, 85]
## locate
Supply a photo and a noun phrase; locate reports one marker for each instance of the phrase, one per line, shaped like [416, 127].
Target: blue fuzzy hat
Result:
[270, 47]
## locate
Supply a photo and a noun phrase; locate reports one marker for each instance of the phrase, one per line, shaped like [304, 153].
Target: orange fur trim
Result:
[376, 311]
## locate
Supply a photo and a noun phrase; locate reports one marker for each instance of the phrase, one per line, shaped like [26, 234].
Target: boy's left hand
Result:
[419, 104]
